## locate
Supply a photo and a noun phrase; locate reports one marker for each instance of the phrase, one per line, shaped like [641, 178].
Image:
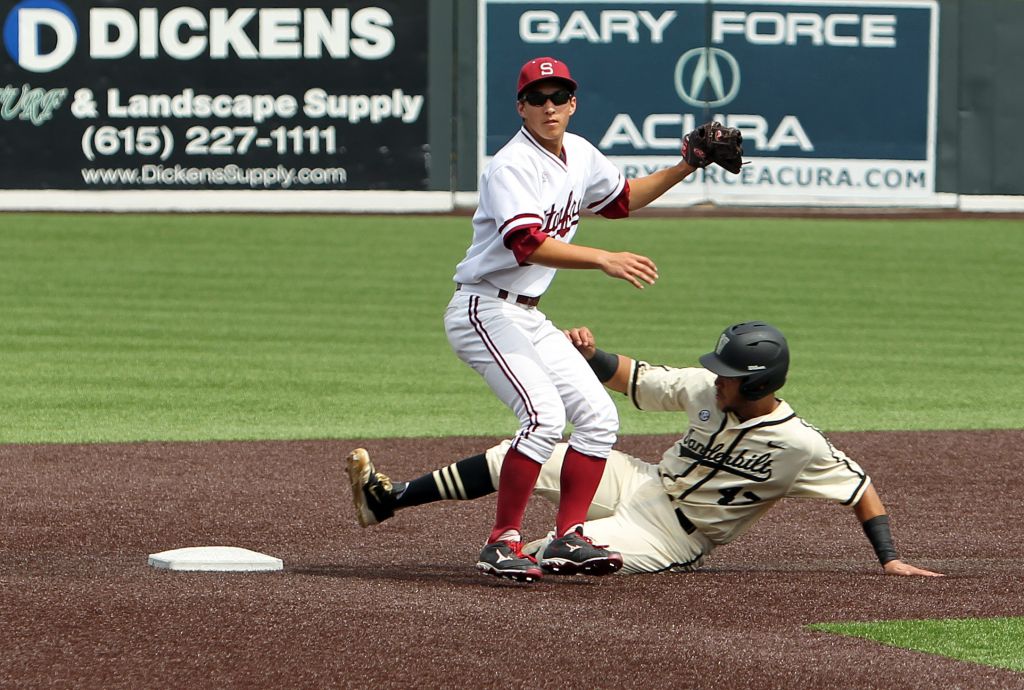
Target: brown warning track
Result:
[400, 605]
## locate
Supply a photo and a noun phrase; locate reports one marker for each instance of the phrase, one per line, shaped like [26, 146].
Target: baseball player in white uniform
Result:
[531, 197]
[743, 449]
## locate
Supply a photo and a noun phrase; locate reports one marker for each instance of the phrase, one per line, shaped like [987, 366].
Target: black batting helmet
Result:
[753, 351]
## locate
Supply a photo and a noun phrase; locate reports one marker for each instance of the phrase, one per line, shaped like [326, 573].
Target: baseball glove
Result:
[713, 143]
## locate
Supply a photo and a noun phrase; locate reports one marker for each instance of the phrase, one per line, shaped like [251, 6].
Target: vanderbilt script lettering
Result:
[745, 461]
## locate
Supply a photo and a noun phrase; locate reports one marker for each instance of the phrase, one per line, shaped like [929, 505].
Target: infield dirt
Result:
[400, 604]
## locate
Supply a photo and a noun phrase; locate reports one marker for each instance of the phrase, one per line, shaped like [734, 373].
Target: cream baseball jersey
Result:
[526, 186]
[723, 474]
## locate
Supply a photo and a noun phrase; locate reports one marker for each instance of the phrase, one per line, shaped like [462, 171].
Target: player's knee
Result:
[599, 421]
[547, 423]
[537, 438]
[595, 433]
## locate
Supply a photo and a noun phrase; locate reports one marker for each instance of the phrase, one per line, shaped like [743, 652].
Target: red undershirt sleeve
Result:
[619, 206]
[524, 241]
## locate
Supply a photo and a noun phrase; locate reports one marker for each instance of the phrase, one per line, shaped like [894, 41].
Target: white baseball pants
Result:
[534, 369]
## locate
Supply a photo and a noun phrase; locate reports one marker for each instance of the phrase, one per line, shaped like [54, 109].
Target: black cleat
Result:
[575, 554]
[372, 492]
[504, 559]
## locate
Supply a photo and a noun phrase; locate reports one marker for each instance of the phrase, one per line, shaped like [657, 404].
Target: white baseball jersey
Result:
[723, 474]
[529, 195]
[526, 185]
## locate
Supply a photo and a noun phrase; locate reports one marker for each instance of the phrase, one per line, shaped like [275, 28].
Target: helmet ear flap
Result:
[757, 386]
[751, 389]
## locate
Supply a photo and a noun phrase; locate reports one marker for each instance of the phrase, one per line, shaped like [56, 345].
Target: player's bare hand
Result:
[898, 567]
[583, 340]
[632, 268]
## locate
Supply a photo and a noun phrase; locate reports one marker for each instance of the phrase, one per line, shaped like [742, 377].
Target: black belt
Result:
[518, 299]
[684, 522]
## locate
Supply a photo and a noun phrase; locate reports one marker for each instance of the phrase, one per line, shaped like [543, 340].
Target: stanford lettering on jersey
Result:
[558, 223]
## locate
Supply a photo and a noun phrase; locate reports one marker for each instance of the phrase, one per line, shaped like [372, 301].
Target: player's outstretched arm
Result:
[871, 513]
[644, 190]
[633, 268]
[709, 143]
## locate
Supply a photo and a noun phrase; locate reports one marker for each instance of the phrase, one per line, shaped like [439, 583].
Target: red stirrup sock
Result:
[580, 476]
[515, 484]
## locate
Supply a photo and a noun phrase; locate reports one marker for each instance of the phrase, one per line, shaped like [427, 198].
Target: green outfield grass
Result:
[991, 641]
[135, 327]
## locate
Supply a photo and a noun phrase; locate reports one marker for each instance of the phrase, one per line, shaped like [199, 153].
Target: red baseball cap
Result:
[539, 69]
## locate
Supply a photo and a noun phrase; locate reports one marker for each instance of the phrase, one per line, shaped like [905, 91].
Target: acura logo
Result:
[707, 77]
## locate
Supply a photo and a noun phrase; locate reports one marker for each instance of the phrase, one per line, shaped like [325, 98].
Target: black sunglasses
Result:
[539, 98]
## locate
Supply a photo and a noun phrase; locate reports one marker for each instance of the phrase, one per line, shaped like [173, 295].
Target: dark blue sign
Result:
[802, 80]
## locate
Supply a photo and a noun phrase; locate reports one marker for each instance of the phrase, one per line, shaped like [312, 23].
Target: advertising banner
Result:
[129, 95]
[836, 100]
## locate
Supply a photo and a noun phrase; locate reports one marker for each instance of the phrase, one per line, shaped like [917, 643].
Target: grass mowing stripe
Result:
[991, 641]
[132, 327]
